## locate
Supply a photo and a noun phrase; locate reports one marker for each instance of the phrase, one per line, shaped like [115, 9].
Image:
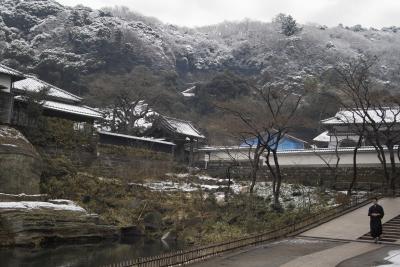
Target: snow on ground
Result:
[175, 186]
[21, 195]
[56, 204]
[393, 258]
[9, 132]
[294, 195]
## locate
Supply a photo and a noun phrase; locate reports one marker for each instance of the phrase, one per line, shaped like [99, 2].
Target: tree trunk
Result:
[278, 178]
[354, 179]
[255, 167]
[393, 168]
[254, 171]
[228, 176]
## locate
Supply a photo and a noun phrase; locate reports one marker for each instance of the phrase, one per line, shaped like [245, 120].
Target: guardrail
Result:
[191, 255]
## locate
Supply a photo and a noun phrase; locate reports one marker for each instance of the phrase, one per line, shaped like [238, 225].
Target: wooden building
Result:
[8, 76]
[153, 144]
[343, 129]
[182, 133]
[57, 103]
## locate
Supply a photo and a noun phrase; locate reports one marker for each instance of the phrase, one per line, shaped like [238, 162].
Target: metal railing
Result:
[186, 256]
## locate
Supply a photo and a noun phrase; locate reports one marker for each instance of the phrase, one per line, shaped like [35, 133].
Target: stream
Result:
[83, 255]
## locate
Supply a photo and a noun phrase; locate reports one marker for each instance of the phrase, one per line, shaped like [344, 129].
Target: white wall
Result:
[366, 156]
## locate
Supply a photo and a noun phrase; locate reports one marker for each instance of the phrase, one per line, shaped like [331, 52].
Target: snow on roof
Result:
[346, 116]
[29, 205]
[68, 108]
[33, 84]
[9, 71]
[146, 139]
[323, 137]
[181, 127]
[189, 92]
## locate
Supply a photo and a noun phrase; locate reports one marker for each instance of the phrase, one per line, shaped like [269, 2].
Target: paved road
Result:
[271, 254]
[354, 224]
[328, 245]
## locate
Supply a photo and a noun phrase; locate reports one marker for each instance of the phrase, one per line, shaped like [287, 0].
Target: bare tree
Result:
[374, 113]
[334, 168]
[265, 127]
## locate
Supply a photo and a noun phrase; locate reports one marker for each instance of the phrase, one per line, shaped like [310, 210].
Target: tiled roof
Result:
[190, 92]
[9, 71]
[146, 139]
[346, 116]
[33, 84]
[181, 127]
[69, 108]
[323, 137]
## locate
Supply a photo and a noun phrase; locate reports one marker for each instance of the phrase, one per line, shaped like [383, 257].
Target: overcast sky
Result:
[371, 13]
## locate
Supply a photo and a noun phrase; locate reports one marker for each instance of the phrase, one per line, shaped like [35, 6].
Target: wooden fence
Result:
[182, 257]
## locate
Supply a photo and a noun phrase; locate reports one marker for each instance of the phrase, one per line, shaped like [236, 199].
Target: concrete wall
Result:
[305, 166]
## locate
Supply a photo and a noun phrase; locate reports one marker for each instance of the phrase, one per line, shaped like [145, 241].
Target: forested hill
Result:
[66, 45]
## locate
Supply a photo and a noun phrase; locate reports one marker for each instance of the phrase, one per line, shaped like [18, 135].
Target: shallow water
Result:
[83, 255]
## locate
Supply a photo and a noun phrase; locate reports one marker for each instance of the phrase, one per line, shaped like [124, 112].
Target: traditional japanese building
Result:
[8, 76]
[154, 144]
[182, 133]
[287, 142]
[343, 130]
[57, 103]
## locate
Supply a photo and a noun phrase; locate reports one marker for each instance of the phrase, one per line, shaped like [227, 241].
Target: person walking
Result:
[376, 213]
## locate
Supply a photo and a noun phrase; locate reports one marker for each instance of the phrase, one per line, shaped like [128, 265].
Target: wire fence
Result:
[186, 256]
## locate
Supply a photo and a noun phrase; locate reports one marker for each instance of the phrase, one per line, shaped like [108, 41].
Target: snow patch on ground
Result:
[58, 204]
[8, 132]
[292, 195]
[21, 195]
[174, 186]
[393, 258]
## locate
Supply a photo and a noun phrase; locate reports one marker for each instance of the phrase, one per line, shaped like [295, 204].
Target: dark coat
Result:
[375, 221]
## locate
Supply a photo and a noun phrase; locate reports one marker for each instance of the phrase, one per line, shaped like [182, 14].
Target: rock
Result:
[20, 164]
[43, 223]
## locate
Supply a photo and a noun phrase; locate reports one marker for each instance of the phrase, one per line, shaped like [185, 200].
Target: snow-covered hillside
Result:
[42, 35]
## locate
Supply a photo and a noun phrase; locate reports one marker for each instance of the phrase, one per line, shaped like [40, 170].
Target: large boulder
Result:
[20, 164]
[39, 223]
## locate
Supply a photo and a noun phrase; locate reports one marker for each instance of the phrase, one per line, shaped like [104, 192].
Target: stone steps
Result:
[391, 231]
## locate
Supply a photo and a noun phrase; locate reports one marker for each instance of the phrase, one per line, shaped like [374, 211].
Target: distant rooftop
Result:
[182, 127]
[349, 116]
[139, 138]
[190, 92]
[323, 137]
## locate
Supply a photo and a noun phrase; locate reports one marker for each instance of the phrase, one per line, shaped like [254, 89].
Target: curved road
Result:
[331, 244]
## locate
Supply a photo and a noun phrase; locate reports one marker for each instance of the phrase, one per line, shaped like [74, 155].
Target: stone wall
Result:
[126, 163]
[367, 176]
